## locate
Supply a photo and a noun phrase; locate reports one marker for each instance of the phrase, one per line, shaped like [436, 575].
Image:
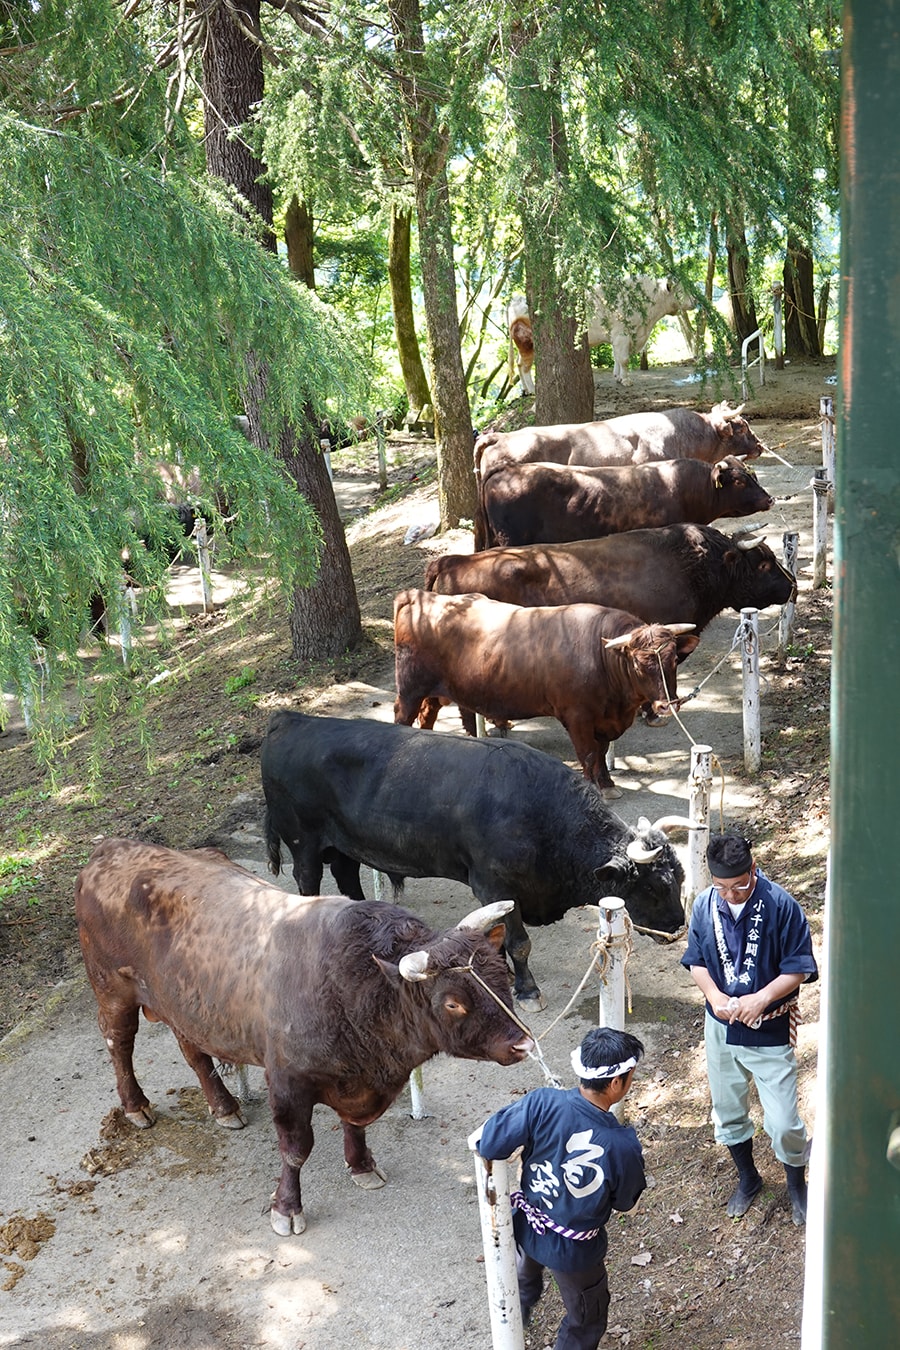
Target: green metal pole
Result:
[860, 1234]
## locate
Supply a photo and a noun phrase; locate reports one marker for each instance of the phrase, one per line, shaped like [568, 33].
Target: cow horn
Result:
[676, 628]
[414, 966]
[482, 920]
[622, 641]
[667, 823]
[747, 541]
[639, 853]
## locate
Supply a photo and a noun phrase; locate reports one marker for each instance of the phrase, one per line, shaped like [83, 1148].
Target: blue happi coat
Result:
[578, 1165]
[770, 938]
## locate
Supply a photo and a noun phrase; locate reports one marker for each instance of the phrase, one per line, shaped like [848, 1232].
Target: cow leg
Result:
[292, 1108]
[363, 1168]
[308, 867]
[621, 346]
[428, 711]
[518, 949]
[592, 747]
[119, 1027]
[223, 1108]
[346, 876]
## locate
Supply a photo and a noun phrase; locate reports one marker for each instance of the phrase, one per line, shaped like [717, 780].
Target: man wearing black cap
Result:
[749, 949]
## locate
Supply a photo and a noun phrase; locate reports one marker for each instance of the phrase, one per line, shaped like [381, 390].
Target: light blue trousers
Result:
[773, 1068]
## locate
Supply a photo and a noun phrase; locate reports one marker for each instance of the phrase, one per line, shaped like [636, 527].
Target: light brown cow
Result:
[590, 667]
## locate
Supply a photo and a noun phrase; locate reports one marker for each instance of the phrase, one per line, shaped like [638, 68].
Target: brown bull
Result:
[338, 1000]
[687, 573]
[633, 438]
[554, 503]
[590, 667]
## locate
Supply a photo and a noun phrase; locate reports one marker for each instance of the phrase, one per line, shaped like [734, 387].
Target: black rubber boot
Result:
[796, 1184]
[750, 1182]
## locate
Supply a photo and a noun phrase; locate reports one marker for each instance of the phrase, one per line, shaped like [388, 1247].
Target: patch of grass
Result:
[17, 879]
[235, 683]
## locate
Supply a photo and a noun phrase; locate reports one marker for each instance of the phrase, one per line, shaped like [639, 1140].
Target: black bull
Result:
[510, 822]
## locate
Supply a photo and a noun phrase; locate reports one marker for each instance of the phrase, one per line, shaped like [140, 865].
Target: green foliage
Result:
[235, 683]
[132, 314]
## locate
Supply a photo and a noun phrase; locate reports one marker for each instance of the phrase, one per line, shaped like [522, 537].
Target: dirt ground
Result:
[113, 1239]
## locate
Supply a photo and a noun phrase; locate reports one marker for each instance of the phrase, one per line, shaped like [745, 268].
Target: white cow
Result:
[626, 323]
[521, 342]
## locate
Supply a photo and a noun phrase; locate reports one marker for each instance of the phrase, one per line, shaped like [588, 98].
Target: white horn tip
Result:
[414, 966]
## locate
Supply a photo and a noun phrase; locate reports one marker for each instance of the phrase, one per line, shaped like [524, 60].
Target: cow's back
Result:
[157, 926]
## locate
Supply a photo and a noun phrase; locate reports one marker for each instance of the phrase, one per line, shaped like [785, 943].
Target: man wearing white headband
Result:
[578, 1165]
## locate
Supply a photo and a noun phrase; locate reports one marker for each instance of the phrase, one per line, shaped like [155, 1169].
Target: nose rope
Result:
[470, 970]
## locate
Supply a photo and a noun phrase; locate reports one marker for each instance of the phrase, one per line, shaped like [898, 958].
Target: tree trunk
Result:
[325, 617]
[414, 378]
[822, 313]
[800, 332]
[427, 143]
[743, 307]
[298, 236]
[233, 84]
[564, 386]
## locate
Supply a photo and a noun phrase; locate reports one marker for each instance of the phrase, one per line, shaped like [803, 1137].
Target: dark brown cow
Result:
[555, 503]
[634, 438]
[338, 1000]
[590, 667]
[684, 573]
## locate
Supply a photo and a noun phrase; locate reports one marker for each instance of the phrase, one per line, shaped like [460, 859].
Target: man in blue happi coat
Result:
[578, 1165]
[749, 949]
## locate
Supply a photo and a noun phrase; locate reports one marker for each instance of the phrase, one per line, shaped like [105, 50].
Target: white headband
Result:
[605, 1071]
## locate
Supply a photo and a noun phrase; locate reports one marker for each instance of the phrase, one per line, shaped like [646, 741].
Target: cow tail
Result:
[273, 844]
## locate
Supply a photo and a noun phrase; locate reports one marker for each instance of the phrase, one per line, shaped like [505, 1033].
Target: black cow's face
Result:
[760, 579]
[652, 890]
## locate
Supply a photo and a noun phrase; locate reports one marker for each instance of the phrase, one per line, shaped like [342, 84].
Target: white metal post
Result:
[492, 1186]
[203, 561]
[417, 1095]
[125, 612]
[611, 931]
[750, 662]
[820, 527]
[778, 334]
[696, 875]
[789, 542]
[379, 444]
[826, 413]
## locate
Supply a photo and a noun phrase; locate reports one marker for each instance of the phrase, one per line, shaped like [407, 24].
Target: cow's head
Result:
[463, 983]
[742, 494]
[654, 652]
[757, 578]
[679, 298]
[645, 871]
[734, 431]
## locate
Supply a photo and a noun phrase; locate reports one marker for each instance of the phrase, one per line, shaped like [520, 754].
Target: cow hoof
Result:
[233, 1121]
[532, 1002]
[609, 794]
[369, 1181]
[143, 1119]
[287, 1225]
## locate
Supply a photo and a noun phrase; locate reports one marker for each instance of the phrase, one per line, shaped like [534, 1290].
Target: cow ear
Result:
[496, 936]
[388, 970]
[685, 644]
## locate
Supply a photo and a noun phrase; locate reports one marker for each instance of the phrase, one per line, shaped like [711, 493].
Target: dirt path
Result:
[159, 1238]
